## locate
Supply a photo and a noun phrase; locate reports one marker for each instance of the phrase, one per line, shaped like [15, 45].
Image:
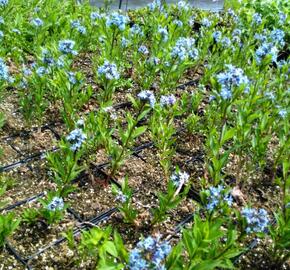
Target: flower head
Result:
[266, 49]
[147, 95]
[257, 220]
[149, 253]
[109, 71]
[37, 22]
[179, 178]
[167, 100]
[217, 196]
[4, 72]
[3, 3]
[183, 49]
[76, 138]
[233, 77]
[117, 20]
[55, 204]
[257, 18]
[67, 47]
[143, 49]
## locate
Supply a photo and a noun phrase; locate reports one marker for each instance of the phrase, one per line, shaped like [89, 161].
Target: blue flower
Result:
[136, 30]
[163, 33]
[226, 42]
[257, 18]
[206, 22]
[95, 16]
[47, 57]
[121, 197]
[125, 42]
[282, 18]
[179, 178]
[76, 138]
[282, 112]
[266, 49]
[117, 20]
[3, 3]
[156, 4]
[217, 36]
[257, 220]
[183, 49]
[109, 70]
[41, 71]
[167, 100]
[4, 72]
[67, 47]
[55, 204]
[277, 36]
[37, 22]
[72, 78]
[233, 77]
[183, 5]
[147, 95]
[76, 24]
[217, 196]
[149, 253]
[143, 49]
[178, 23]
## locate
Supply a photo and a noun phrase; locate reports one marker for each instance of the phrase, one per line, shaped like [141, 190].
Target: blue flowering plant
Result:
[119, 151]
[123, 197]
[108, 74]
[65, 162]
[217, 200]
[177, 188]
[53, 208]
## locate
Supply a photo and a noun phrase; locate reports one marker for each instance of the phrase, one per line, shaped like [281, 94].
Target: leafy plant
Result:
[124, 198]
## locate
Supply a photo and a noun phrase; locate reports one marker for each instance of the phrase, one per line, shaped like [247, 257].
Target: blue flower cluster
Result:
[55, 204]
[40, 71]
[72, 77]
[4, 72]
[163, 33]
[76, 24]
[109, 70]
[47, 58]
[206, 22]
[183, 49]
[76, 138]
[217, 35]
[37, 22]
[117, 20]
[147, 96]
[233, 77]
[167, 100]
[179, 178]
[149, 254]
[257, 220]
[67, 47]
[136, 30]
[95, 15]
[182, 5]
[3, 3]
[217, 196]
[257, 18]
[121, 197]
[266, 49]
[277, 37]
[143, 50]
[156, 4]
